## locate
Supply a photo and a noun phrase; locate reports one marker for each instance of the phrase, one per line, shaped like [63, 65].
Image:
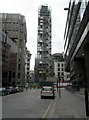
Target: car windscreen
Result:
[47, 89]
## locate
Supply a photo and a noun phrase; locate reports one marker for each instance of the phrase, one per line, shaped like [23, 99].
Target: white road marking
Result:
[47, 109]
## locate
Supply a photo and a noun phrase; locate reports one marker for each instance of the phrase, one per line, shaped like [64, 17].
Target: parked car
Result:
[3, 91]
[11, 89]
[19, 88]
[47, 91]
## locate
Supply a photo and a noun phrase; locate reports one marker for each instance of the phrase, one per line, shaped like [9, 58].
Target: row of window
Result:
[62, 64]
[14, 22]
[61, 69]
[60, 74]
[19, 74]
[73, 24]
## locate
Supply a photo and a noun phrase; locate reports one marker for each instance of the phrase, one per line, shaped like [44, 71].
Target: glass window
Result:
[27, 64]
[62, 65]
[62, 74]
[18, 75]
[58, 64]
[27, 68]
[13, 74]
[27, 72]
[62, 69]
[19, 66]
[58, 69]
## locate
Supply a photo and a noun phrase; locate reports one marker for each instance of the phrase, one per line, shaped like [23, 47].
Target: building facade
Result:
[8, 57]
[76, 46]
[32, 79]
[27, 65]
[44, 42]
[15, 27]
[73, 56]
[59, 67]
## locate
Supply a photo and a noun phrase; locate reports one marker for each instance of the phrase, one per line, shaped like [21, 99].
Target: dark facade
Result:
[9, 60]
[75, 40]
[15, 26]
[76, 46]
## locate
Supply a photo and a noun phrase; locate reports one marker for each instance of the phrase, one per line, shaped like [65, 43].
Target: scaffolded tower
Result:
[44, 42]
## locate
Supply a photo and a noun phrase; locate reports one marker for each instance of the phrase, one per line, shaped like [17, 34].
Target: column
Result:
[86, 55]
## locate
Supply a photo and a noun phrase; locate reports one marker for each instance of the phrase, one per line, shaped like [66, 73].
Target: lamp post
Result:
[59, 86]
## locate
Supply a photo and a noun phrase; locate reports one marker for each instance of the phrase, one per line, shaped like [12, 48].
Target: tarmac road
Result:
[27, 104]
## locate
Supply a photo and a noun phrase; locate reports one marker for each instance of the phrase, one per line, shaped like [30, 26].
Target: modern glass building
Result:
[75, 26]
[76, 47]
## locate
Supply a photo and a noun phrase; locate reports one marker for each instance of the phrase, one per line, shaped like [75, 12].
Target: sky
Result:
[29, 8]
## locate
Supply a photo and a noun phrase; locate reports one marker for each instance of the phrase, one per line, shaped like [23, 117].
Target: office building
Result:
[15, 27]
[59, 67]
[76, 46]
[8, 59]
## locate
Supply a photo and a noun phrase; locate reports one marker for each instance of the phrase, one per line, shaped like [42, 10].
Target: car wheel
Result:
[53, 97]
[41, 97]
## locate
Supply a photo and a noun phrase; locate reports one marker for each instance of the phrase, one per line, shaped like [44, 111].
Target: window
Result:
[58, 64]
[19, 66]
[27, 73]
[62, 74]
[27, 64]
[62, 69]
[18, 75]
[27, 68]
[62, 65]
[28, 60]
[58, 69]
[13, 74]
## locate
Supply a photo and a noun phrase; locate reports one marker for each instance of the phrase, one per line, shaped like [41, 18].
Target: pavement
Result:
[69, 105]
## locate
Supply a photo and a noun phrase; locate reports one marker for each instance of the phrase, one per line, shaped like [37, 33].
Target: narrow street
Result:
[27, 104]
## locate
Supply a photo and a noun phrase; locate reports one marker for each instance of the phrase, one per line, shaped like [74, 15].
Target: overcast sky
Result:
[29, 8]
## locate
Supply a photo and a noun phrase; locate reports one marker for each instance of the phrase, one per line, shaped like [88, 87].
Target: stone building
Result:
[59, 67]
[15, 27]
[8, 59]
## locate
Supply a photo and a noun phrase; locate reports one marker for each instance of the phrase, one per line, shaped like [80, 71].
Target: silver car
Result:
[3, 91]
[47, 91]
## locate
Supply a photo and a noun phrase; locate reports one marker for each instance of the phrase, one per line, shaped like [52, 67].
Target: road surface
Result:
[27, 104]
